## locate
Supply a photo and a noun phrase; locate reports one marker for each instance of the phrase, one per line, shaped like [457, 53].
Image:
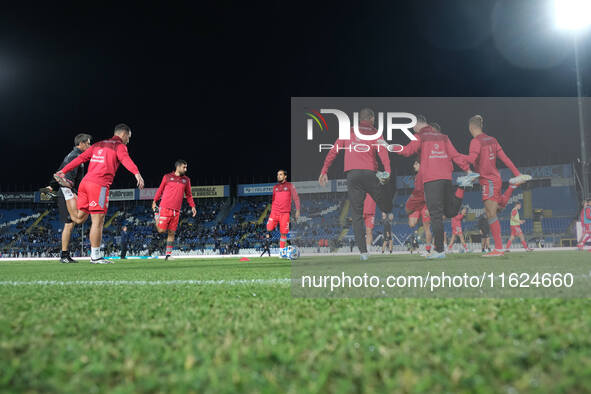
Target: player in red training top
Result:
[283, 194]
[369, 214]
[484, 151]
[456, 230]
[174, 186]
[416, 207]
[93, 192]
[585, 224]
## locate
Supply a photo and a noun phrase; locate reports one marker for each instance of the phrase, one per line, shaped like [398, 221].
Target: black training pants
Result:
[360, 182]
[441, 200]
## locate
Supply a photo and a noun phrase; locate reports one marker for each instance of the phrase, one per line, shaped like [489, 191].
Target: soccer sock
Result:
[95, 253]
[464, 245]
[65, 253]
[509, 244]
[428, 248]
[524, 244]
[459, 193]
[282, 241]
[495, 229]
[168, 248]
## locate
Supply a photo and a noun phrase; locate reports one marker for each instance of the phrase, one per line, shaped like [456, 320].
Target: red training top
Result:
[105, 157]
[456, 221]
[172, 190]
[369, 206]
[283, 193]
[437, 153]
[359, 154]
[484, 151]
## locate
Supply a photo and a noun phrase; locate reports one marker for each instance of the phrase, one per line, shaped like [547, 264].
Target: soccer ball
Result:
[293, 253]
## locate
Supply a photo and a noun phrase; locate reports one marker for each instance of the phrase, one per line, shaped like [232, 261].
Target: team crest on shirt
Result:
[100, 151]
[436, 146]
[184, 181]
[284, 188]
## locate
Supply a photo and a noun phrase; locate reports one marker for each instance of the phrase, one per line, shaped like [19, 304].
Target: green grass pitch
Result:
[139, 326]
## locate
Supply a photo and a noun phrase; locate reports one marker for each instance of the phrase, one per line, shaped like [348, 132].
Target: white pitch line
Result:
[228, 282]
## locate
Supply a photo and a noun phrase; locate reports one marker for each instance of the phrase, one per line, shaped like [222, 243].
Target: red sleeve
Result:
[588, 212]
[513, 212]
[294, 196]
[458, 158]
[385, 158]
[411, 148]
[82, 158]
[474, 151]
[330, 156]
[189, 193]
[460, 216]
[161, 188]
[505, 159]
[124, 158]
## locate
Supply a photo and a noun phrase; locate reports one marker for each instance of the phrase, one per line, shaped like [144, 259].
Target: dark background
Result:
[211, 82]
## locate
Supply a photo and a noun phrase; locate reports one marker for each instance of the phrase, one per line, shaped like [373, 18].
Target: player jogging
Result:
[283, 194]
[437, 155]
[484, 151]
[67, 196]
[585, 224]
[416, 207]
[516, 223]
[361, 169]
[93, 193]
[174, 186]
[456, 230]
[369, 214]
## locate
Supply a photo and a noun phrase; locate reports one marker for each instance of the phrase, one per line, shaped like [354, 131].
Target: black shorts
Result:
[63, 209]
[485, 230]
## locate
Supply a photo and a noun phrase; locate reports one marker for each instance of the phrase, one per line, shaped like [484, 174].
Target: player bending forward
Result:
[283, 193]
[93, 192]
[516, 223]
[585, 224]
[174, 186]
[456, 230]
[416, 207]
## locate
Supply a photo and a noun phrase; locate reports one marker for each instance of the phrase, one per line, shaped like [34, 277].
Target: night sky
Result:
[209, 81]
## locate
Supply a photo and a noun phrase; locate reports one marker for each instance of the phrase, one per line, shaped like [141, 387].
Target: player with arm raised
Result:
[484, 151]
[283, 194]
[437, 155]
[173, 188]
[93, 193]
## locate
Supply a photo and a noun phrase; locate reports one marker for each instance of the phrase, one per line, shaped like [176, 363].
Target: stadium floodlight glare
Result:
[572, 14]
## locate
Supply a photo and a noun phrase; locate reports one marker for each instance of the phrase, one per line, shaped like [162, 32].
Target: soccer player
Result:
[93, 193]
[484, 232]
[174, 186]
[437, 155]
[516, 223]
[283, 194]
[124, 242]
[416, 207]
[484, 151]
[369, 213]
[361, 169]
[387, 233]
[456, 230]
[585, 224]
[67, 196]
[266, 245]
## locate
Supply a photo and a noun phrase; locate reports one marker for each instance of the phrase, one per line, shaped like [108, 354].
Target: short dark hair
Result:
[82, 137]
[179, 162]
[436, 126]
[421, 118]
[283, 171]
[366, 114]
[122, 128]
[477, 121]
